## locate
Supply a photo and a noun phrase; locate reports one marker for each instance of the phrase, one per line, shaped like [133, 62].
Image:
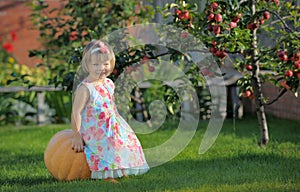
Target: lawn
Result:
[234, 163]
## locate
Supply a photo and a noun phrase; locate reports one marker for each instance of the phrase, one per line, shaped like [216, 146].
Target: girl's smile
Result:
[98, 70]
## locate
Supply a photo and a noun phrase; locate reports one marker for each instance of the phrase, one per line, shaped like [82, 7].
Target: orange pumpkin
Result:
[63, 162]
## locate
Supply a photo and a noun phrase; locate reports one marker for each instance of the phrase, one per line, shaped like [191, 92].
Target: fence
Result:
[40, 97]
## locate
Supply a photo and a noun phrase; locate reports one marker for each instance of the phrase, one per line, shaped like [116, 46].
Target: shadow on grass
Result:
[179, 174]
[22, 169]
[27, 181]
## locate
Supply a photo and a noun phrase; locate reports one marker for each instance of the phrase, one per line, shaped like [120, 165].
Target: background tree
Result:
[64, 32]
[240, 28]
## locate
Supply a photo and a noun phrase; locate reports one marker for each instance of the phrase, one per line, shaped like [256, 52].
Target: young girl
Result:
[111, 147]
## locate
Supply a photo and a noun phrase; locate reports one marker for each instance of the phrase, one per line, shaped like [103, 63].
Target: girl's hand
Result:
[77, 142]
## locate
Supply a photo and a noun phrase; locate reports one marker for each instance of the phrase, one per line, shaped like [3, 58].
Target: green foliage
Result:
[65, 31]
[14, 74]
[61, 102]
[7, 113]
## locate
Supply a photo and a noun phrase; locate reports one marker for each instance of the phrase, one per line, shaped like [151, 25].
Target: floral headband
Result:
[102, 48]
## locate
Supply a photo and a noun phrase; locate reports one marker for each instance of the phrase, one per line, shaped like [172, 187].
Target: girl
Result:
[111, 147]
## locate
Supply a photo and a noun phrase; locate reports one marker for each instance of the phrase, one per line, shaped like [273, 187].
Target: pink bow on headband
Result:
[102, 48]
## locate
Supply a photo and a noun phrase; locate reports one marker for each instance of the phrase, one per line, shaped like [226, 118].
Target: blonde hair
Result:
[103, 51]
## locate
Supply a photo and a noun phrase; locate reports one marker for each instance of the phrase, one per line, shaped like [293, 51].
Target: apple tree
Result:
[262, 34]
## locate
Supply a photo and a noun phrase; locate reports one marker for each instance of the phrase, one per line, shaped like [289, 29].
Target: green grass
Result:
[234, 163]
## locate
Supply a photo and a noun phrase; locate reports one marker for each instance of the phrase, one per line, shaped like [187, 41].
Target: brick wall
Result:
[14, 16]
[287, 107]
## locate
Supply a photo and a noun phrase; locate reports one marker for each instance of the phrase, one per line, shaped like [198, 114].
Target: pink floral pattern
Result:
[110, 142]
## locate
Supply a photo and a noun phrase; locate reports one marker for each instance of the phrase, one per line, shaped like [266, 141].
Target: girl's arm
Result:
[80, 100]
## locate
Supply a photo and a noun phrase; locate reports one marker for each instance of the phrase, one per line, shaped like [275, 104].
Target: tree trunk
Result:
[256, 84]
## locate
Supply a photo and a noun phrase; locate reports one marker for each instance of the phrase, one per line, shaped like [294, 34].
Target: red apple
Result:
[251, 96]
[233, 24]
[218, 17]
[266, 15]
[276, 2]
[214, 6]
[297, 57]
[213, 50]
[181, 16]
[256, 25]
[186, 14]
[280, 53]
[252, 26]
[247, 93]
[283, 57]
[211, 17]
[214, 43]
[297, 65]
[289, 73]
[177, 12]
[249, 67]
[298, 75]
[216, 29]
[221, 54]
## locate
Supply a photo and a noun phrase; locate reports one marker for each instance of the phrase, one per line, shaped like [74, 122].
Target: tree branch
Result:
[282, 92]
[284, 23]
[276, 21]
[242, 1]
[135, 99]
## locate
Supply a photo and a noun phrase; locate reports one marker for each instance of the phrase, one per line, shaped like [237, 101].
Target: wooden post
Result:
[41, 118]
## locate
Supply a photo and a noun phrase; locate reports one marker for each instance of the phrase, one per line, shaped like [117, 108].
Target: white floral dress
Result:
[111, 147]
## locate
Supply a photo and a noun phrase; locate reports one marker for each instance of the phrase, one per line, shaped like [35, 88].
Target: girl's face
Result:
[98, 70]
